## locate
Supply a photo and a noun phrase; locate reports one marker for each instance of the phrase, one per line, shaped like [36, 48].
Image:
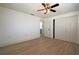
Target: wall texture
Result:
[17, 27]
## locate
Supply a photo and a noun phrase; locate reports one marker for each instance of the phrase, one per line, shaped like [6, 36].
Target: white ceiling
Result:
[31, 8]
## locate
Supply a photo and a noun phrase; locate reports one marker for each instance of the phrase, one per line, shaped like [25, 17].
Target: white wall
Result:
[17, 27]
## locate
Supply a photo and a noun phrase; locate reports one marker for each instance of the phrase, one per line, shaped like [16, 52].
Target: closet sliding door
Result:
[66, 28]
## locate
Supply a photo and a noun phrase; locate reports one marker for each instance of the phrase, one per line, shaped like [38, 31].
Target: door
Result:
[46, 27]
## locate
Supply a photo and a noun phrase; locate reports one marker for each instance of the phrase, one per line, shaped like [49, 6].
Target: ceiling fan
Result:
[48, 8]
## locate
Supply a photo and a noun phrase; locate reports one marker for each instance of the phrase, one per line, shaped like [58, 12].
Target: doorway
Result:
[41, 28]
[53, 28]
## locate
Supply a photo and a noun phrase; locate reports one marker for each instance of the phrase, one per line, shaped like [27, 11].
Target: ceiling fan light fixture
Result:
[48, 8]
[48, 11]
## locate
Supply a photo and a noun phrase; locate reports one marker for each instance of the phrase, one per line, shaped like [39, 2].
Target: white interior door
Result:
[46, 26]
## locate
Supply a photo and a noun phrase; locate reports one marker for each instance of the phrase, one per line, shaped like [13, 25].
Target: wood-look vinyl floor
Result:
[41, 46]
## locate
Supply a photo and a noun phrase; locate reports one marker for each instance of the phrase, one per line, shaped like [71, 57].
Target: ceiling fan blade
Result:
[53, 10]
[55, 5]
[44, 4]
[41, 10]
